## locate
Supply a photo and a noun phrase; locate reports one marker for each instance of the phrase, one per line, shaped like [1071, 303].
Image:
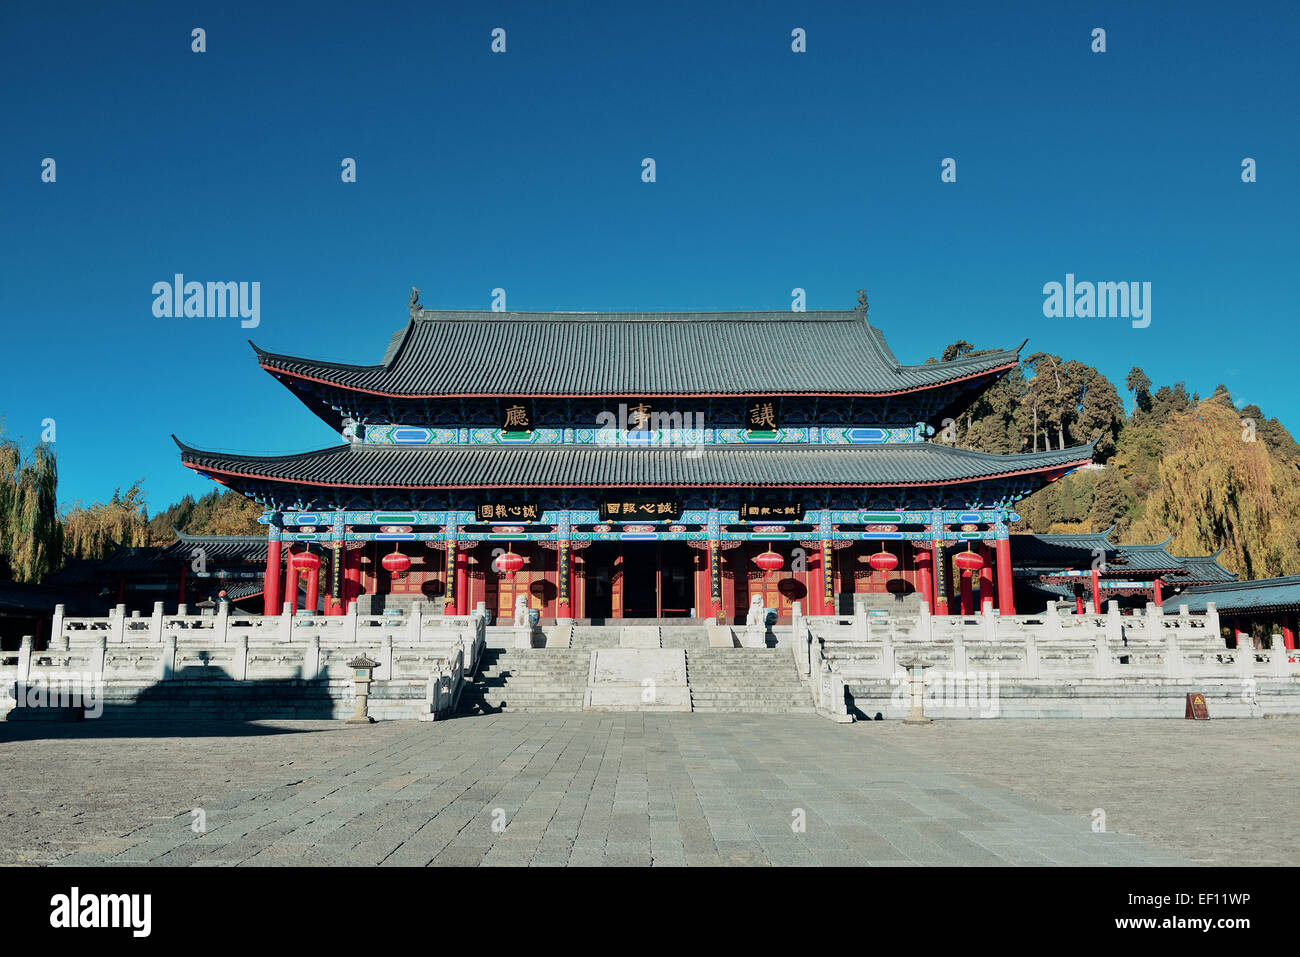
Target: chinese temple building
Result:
[638, 465]
[190, 570]
[1251, 611]
[1088, 569]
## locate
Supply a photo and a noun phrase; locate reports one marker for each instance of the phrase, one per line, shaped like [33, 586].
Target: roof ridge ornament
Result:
[414, 303]
[862, 306]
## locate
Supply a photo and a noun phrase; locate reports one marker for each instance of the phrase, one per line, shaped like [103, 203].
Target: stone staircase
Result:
[528, 679]
[899, 606]
[738, 680]
[750, 680]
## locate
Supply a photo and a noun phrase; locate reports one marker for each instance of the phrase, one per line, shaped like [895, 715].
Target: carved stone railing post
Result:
[239, 661]
[350, 623]
[156, 622]
[860, 635]
[1212, 624]
[99, 660]
[311, 659]
[167, 660]
[117, 626]
[988, 625]
[925, 624]
[888, 651]
[1108, 637]
[25, 646]
[1246, 657]
[416, 629]
[221, 630]
[57, 636]
[1031, 652]
[286, 622]
[1173, 652]
[386, 657]
[1053, 617]
[1278, 656]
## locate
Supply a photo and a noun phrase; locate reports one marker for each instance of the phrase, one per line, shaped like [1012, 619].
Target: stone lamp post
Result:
[363, 669]
[917, 665]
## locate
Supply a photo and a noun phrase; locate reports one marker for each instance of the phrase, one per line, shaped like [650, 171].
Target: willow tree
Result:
[30, 534]
[92, 531]
[1221, 486]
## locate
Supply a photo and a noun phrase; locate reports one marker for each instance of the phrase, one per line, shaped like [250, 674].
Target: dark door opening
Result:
[640, 571]
[676, 579]
[598, 573]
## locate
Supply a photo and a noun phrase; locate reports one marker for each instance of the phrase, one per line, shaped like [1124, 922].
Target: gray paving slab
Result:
[636, 790]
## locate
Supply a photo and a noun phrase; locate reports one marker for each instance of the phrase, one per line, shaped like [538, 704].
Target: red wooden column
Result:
[1096, 590]
[271, 580]
[967, 597]
[313, 587]
[826, 579]
[940, 578]
[462, 582]
[563, 580]
[986, 576]
[351, 576]
[449, 596]
[1079, 606]
[714, 608]
[1006, 595]
[1288, 632]
[924, 580]
[290, 580]
[1158, 586]
[575, 584]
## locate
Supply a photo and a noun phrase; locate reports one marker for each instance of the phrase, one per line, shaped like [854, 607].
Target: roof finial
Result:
[414, 304]
[862, 303]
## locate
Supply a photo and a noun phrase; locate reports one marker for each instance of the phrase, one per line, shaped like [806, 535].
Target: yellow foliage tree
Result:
[1220, 486]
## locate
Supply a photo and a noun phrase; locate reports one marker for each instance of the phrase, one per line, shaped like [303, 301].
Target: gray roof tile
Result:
[1265, 594]
[460, 466]
[446, 353]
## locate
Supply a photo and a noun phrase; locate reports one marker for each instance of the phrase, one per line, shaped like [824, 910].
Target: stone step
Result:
[757, 710]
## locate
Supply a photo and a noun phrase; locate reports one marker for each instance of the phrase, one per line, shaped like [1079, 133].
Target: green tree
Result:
[1137, 382]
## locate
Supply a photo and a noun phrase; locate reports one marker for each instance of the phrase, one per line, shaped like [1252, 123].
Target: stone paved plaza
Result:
[629, 789]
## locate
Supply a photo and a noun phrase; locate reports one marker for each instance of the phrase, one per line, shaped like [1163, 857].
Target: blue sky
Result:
[522, 170]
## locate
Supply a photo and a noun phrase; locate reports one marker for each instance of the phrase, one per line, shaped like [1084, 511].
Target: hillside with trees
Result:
[1202, 473]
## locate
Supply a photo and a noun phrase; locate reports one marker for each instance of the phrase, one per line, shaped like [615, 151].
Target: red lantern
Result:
[883, 561]
[509, 563]
[968, 561]
[305, 561]
[396, 562]
[769, 561]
